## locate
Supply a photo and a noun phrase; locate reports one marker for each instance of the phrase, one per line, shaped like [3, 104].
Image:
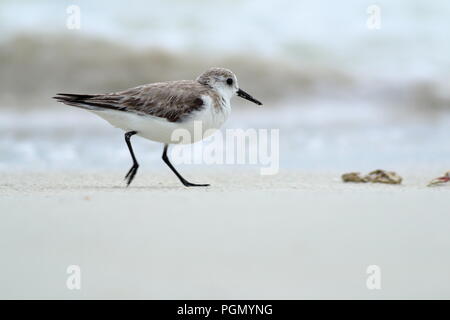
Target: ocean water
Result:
[343, 96]
[73, 139]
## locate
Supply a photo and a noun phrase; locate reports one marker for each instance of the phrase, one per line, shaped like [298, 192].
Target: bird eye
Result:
[229, 81]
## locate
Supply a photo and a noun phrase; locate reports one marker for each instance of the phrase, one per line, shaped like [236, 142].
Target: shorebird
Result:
[153, 111]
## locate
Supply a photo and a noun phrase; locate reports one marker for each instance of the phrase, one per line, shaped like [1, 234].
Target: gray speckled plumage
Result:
[172, 100]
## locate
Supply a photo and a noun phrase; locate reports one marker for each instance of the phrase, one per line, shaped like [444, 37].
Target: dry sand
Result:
[294, 235]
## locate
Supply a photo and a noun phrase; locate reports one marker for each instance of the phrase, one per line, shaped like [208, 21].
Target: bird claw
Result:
[189, 184]
[130, 175]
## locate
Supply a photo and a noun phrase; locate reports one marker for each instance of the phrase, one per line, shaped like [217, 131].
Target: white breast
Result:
[212, 117]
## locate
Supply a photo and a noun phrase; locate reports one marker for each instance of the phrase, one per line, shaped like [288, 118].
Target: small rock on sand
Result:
[376, 176]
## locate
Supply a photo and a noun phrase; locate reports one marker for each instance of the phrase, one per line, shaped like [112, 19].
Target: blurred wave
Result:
[33, 67]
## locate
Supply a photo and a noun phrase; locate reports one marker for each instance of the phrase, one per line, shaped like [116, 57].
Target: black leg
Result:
[132, 172]
[183, 180]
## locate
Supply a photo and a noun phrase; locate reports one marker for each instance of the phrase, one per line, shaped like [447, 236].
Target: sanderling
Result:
[153, 111]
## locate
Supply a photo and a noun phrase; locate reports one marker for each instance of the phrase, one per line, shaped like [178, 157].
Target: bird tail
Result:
[86, 101]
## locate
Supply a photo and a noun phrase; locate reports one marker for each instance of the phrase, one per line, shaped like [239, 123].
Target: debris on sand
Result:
[353, 177]
[376, 176]
[440, 180]
[381, 176]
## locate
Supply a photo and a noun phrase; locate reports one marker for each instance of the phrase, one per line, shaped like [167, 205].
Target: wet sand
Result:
[294, 235]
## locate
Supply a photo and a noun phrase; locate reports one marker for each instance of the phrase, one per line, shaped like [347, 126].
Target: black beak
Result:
[241, 93]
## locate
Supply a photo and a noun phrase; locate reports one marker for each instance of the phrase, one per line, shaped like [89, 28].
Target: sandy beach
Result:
[294, 235]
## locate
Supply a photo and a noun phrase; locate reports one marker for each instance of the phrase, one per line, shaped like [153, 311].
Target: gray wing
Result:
[169, 100]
